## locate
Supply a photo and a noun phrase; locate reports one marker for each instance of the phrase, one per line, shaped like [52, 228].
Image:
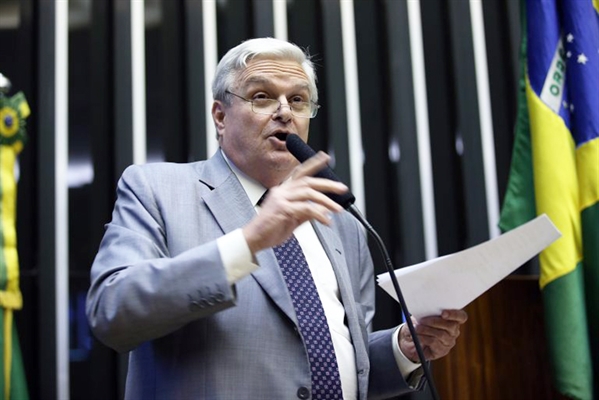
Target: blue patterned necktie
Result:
[311, 319]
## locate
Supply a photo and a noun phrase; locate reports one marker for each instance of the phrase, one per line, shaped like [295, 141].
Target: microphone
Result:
[302, 152]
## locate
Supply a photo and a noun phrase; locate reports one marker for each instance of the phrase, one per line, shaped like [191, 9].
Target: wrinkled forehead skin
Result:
[282, 64]
[259, 70]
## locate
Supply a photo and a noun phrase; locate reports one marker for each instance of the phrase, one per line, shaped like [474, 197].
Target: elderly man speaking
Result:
[237, 277]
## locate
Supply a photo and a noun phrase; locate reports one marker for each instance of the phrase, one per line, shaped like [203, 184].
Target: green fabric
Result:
[519, 201]
[18, 382]
[590, 247]
[565, 319]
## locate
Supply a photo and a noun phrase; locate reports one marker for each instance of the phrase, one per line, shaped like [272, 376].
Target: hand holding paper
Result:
[453, 281]
[437, 335]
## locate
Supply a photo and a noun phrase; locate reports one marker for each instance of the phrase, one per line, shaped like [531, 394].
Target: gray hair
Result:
[237, 58]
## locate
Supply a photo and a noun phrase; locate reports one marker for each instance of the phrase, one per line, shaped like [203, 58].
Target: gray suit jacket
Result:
[159, 290]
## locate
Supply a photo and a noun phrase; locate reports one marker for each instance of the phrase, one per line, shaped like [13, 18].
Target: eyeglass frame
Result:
[313, 106]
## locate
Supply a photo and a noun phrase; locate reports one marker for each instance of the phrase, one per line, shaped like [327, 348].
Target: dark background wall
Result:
[101, 117]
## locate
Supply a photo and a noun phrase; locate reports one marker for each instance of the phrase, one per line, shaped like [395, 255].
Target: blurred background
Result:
[418, 108]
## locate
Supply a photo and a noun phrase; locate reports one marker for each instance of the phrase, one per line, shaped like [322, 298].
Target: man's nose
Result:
[284, 111]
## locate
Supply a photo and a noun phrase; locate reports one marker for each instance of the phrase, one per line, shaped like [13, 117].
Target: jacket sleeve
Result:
[385, 379]
[138, 291]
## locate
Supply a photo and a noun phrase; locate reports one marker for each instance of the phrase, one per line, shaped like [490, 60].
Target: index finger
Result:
[455, 315]
[311, 166]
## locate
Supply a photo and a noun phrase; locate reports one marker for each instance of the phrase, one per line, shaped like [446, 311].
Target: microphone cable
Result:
[353, 210]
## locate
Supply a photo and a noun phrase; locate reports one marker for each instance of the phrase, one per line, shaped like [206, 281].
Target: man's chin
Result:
[283, 162]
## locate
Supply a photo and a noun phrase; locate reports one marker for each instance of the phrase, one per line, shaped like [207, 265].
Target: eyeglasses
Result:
[302, 109]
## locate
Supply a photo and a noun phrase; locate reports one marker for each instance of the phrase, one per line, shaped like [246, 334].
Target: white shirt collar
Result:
[252, 188]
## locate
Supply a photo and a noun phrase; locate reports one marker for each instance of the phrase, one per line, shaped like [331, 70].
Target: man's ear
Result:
[218, 115]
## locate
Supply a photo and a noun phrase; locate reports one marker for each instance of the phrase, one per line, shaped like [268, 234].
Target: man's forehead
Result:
[261, 71]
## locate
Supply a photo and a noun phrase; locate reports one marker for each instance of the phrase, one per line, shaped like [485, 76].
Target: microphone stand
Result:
[389, 265]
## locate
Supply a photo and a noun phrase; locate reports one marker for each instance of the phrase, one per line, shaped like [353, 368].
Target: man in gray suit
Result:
[186, 278]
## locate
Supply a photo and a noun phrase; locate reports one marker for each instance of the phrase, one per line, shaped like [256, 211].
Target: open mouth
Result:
[282, 136]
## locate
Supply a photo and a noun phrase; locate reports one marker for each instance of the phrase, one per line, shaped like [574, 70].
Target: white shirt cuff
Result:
[405, 365]
[236, 256]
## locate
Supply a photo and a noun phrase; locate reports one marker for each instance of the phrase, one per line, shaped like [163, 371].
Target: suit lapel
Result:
[232, 209]
[336, 253]
[229, 204]
[334, 250]
[271, 280]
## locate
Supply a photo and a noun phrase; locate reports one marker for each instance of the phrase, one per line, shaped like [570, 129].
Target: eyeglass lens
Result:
[270, 106]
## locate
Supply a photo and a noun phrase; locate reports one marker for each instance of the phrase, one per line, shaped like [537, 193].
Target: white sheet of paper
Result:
[453, 281]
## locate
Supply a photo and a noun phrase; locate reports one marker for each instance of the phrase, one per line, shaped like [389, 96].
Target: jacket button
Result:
[203, 303]
[303, 393]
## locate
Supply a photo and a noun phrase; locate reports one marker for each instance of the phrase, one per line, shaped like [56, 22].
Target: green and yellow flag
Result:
[13, 111]
[555, 170]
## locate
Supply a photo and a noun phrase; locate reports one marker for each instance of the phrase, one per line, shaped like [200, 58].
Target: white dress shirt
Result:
[238, 262]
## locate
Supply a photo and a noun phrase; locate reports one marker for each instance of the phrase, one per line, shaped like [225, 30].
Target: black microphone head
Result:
[298, 147]
[302, 152]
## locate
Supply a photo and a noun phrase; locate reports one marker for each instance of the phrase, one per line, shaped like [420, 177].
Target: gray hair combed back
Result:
[237, 58]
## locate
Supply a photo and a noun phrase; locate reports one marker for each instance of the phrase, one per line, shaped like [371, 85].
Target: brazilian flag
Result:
[555, 170]
[13, 111]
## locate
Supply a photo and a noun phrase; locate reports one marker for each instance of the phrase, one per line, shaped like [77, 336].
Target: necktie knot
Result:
[261, 199]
